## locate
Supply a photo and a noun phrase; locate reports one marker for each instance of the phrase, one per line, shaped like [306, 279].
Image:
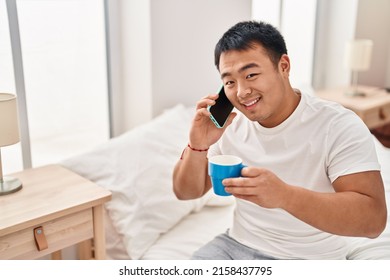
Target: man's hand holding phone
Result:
[205, 131]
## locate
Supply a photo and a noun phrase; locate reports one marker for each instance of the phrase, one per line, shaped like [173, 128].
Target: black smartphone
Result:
[221, 110]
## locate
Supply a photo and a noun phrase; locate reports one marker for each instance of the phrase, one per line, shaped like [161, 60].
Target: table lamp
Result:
[357, 58]
[9, 134]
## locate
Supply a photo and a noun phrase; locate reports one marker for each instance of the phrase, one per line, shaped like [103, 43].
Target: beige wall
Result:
[373, 22]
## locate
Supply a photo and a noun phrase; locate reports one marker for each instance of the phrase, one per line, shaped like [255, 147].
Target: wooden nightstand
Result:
[373, 108]
[61, 206]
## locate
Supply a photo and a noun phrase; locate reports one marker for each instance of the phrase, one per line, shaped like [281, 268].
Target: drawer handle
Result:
[40, 239]
[382, 115]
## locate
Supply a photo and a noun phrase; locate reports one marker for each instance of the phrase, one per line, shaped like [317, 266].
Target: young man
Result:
[312, 174]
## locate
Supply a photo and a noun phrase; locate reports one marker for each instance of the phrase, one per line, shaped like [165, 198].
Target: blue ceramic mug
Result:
[222, 167]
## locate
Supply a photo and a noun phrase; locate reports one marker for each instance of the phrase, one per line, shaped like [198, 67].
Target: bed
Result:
[144, 220]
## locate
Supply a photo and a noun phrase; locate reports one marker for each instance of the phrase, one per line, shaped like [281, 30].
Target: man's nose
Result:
[243, 90]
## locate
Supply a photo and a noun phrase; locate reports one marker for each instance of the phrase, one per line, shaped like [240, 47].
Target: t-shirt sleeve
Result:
[351, 147]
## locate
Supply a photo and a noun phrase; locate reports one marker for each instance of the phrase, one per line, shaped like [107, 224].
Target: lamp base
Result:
[9, 185]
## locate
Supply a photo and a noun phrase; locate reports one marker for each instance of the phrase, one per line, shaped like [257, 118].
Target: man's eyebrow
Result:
[242, 69]
[248, 66]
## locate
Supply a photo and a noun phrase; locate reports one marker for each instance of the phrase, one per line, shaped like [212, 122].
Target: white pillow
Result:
[137, 168]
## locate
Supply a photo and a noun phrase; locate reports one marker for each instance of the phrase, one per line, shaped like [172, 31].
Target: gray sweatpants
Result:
[223, 247]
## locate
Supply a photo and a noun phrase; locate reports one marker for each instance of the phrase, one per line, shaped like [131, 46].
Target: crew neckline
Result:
[286, 122]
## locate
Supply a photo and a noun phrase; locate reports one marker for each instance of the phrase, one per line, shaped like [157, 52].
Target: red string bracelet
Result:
[197, 150]
[193, 149]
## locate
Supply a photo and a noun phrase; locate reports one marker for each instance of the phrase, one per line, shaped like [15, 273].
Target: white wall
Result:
[297, 26]
[136, 62]
[184, 34]
[335, 25]
[268, 11]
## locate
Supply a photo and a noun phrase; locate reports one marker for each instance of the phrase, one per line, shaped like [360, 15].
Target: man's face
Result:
[255, 87]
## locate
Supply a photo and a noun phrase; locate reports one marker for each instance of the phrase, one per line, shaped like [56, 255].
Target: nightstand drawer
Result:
[377, 116]
[60, 233]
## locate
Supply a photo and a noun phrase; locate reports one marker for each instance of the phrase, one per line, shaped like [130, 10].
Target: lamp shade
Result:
[9, 120]
[358, 54]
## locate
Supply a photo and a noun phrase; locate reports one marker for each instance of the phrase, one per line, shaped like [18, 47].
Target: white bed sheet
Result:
[191, 233]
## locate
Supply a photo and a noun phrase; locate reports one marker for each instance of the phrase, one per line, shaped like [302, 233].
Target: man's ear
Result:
[284, 64]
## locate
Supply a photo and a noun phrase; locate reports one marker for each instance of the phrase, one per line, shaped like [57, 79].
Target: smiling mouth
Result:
[251, 103]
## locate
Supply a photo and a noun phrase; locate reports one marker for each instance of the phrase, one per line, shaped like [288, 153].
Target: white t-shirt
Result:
[319, 142]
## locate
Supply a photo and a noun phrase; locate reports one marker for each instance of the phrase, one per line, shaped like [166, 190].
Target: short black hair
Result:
[246, 34]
